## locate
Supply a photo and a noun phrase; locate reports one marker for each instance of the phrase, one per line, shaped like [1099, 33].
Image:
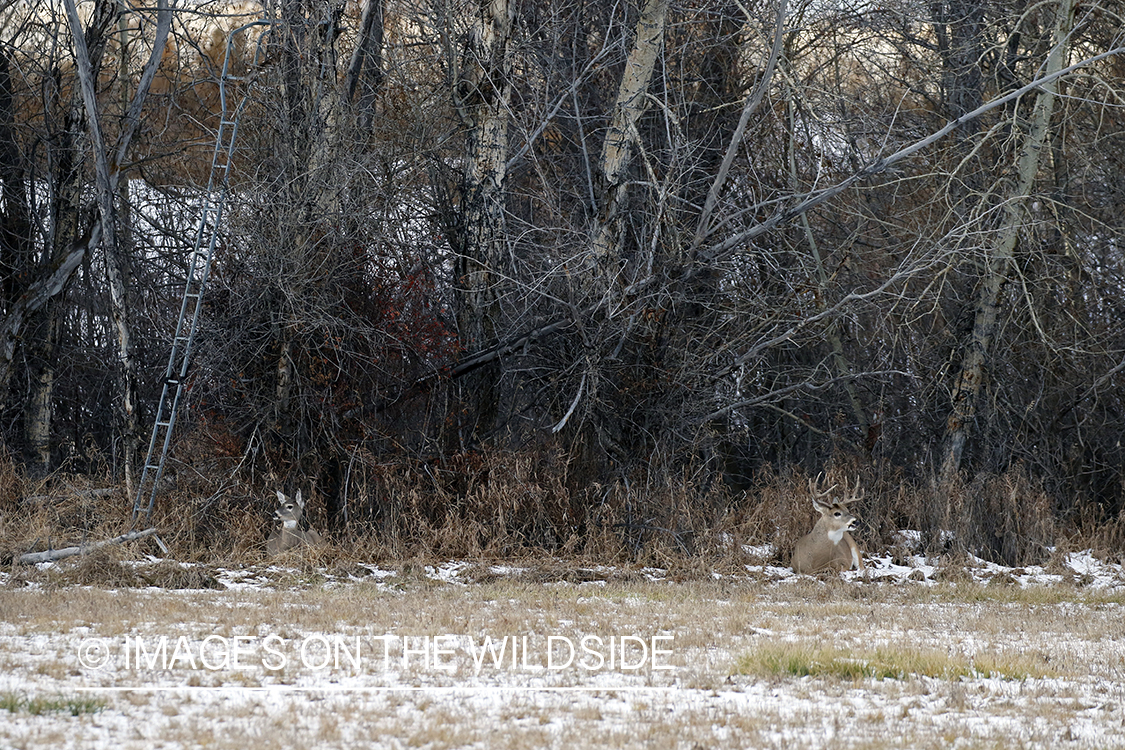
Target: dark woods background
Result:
[527, 274]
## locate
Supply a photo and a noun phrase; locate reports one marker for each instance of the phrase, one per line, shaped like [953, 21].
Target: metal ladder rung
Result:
[210, 209]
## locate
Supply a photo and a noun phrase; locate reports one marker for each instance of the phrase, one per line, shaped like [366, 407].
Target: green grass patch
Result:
[59, 704]
[799, 660]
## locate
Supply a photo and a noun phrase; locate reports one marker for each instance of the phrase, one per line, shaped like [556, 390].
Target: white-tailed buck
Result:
[829, 546]
[290, 534]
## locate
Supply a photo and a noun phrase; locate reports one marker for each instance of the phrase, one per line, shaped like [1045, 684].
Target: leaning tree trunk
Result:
[617, 150]
[365, 69]
[32, 300]
[44, 321]
[108, 171]
[18, 252]
[970, 381]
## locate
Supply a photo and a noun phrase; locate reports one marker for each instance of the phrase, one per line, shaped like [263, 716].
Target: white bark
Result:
[107, 178]
[33, 299]
[32, 558]
[483, 96]
[970, 381]
[617, 150]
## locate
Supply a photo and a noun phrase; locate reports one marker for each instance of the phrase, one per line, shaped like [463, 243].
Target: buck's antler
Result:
[814, 488]
[853, 495]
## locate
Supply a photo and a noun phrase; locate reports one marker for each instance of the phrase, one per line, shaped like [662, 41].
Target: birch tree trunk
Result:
[36, 296]
[617, 150]
[18, 252]
[107, 178]
[315, 133]
[40, 339]
[365, 69]
[971, 379]
[482, 97]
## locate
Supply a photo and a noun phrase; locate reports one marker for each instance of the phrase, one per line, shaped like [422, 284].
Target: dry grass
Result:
[519, 506]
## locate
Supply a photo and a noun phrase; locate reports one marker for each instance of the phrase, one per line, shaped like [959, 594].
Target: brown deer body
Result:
[290, 534]
[829, 546]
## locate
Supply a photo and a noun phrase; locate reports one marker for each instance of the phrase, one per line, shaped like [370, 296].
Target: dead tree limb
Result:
[31, 558]
[35, 297]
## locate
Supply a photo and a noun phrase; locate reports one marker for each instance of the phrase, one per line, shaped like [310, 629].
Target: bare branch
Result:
[729, 245]
[133, 115]
[753, 101]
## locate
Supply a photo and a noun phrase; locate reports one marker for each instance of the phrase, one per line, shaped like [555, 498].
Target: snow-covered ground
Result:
[473, 654]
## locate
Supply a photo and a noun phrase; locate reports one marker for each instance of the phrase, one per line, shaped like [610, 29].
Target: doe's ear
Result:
[280, 496]
[300, 502]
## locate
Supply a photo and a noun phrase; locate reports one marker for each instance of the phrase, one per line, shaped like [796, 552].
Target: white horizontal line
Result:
[376, 689]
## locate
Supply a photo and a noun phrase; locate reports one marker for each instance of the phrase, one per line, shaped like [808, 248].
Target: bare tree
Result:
[618, 146]
[666, 242]
[107, 179]
[1001, 255]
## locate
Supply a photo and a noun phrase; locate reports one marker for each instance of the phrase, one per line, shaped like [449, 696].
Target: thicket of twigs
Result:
[596, 278]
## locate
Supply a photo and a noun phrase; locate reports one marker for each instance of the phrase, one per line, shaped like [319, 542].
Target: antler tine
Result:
[814, 488]
[853, 494]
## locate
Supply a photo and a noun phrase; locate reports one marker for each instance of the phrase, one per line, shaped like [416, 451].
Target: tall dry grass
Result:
[507, 505]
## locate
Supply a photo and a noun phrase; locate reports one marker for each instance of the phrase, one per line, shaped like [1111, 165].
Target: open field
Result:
[480, 655]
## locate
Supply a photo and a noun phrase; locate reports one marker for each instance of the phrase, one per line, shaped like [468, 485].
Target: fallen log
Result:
[31, 558]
